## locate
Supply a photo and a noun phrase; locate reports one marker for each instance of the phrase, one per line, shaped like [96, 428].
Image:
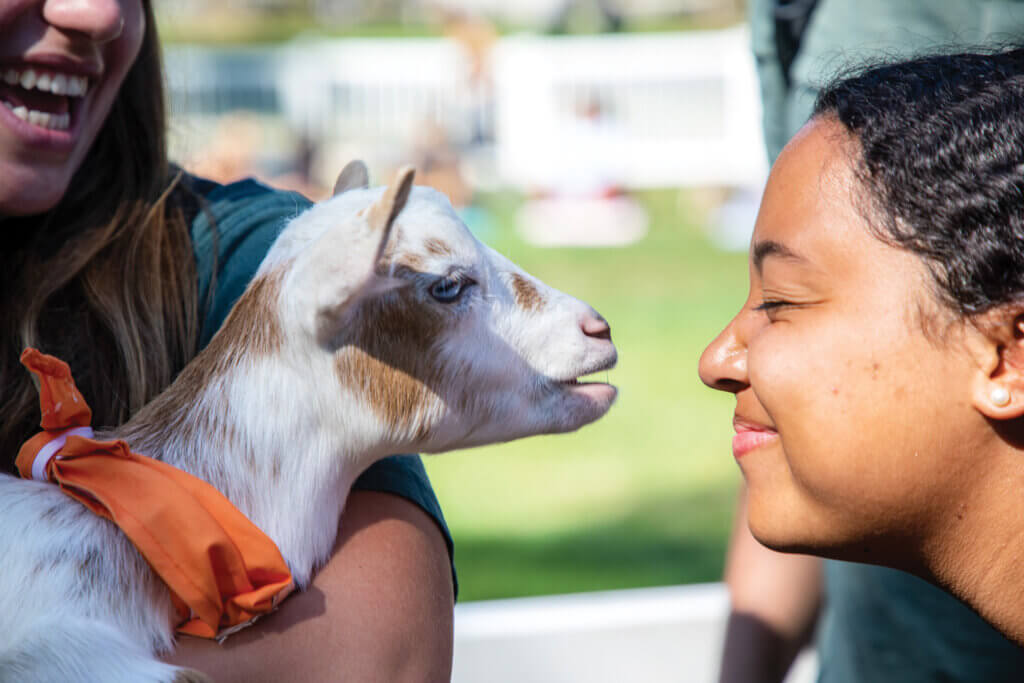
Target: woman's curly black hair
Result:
[941, 142]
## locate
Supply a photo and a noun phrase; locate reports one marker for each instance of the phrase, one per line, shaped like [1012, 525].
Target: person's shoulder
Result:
[223, 200]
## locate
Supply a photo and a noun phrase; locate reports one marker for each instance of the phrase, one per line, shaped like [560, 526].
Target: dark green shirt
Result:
[248, 218]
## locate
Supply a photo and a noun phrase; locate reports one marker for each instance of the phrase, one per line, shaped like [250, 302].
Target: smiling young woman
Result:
[878, 363]
[110, 259]
[88, 207]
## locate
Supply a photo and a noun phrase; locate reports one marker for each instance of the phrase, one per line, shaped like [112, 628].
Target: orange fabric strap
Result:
[222, 571]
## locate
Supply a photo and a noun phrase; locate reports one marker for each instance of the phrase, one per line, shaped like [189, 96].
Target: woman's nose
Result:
[101, 20]
[723, 365]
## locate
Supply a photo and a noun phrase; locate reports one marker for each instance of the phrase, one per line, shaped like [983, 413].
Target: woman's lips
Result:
[749, 438]
[39, 138]
[41, 105]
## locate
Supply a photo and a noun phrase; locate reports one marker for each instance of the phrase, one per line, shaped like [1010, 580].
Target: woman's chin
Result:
[772, 530]
[827, 542]
[777, 541]
[30, 191]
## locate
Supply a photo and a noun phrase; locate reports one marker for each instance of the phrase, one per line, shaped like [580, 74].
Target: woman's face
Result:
[61, 65]
[854, 424]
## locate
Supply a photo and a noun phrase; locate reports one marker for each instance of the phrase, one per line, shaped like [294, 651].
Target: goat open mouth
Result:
[580, 380]
[597, 396]
[579, 383]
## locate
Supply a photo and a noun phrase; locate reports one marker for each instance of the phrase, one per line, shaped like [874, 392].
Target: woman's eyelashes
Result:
[773, 308]
[773, 304]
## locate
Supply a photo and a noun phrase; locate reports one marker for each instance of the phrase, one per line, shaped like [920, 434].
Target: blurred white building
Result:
[674, 110]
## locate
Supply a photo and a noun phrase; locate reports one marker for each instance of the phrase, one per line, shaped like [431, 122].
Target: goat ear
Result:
[344, 286]
[353, 176]
[385, 210]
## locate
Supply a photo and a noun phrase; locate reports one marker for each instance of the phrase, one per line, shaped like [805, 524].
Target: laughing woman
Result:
[878, 362]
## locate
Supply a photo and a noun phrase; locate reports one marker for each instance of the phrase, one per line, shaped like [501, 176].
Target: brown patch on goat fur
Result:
[250, 330]
[412, 262]
[388, 358]
[527, 296]
[438, 247]
[252, 326]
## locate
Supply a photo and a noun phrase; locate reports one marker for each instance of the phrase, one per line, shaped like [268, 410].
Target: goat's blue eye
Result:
[448, 289]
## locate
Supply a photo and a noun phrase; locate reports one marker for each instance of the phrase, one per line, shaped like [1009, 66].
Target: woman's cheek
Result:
[781, 369]
[797, 385]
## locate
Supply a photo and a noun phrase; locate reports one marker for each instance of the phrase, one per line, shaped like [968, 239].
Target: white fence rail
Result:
[640, 110]
[671, 634]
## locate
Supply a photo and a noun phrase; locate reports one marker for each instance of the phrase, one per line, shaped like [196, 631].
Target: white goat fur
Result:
[336, 356]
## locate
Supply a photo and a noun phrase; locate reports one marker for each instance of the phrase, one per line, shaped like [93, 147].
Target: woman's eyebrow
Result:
[767, 248]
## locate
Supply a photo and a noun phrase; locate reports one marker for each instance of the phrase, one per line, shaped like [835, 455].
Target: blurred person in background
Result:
[873, 624]
[476, 36]
[438, 164]
[608, 13]
[108, 256]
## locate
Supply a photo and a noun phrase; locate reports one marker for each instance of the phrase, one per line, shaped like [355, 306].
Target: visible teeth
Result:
[57, 83]
[41, 118]
[28, 79]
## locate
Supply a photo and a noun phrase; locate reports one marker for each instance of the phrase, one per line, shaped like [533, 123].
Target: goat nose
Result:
[593, 325]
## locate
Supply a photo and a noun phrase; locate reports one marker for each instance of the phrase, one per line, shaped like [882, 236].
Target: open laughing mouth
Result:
[45, 98]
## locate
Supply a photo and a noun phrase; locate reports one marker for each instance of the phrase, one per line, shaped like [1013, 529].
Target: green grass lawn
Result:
[643, 497]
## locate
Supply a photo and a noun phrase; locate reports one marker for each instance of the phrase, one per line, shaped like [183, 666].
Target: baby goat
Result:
[377, 324]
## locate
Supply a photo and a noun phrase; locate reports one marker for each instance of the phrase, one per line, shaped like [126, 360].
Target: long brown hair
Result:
[106, 280]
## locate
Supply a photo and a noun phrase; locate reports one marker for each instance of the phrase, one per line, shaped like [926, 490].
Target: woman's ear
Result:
[998, 348]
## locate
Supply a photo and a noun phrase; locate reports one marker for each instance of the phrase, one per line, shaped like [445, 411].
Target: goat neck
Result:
[244, 417]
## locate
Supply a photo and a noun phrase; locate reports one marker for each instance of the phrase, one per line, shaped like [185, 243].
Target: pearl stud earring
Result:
[1000, 397]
